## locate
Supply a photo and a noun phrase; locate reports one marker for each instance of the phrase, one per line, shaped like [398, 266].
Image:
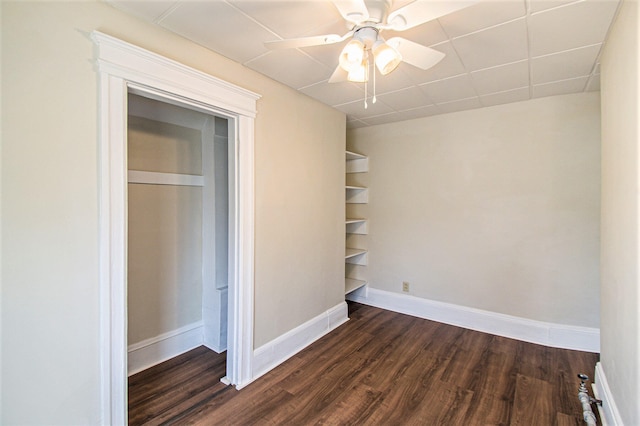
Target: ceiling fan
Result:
[366, 20]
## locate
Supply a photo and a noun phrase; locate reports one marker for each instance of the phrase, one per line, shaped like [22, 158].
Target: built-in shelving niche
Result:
[355, 258]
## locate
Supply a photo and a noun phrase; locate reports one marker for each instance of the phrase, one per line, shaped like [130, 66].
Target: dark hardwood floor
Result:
[380, 368]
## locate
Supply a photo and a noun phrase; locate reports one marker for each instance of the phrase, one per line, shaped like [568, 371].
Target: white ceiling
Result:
[497, 51]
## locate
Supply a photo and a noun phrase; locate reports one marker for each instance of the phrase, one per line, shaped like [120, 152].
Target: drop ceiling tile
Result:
[425, 111]
[383, 119]
[564, 65]
[567, 27]
[497, 45]
[392, 82]
[563, 87]
[356, 109]
[460, 105]
[501, 78]
[290, 19]
[481, 15]
[355, 124]
[147, 10]
[451, 89]
[334, 93]
[449, 66]
[290, 67]
[516, 95]
[211, 24]
[405, 99]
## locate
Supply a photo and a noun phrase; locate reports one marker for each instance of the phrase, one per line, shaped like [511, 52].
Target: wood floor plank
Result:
[171, 377]
[224, 406]
[567, 420]
[323, 360]
[488, 409]
[359, 404]
[533, 402]
[379, 368]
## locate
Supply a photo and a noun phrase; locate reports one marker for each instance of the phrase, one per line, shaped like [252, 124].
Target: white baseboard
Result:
[542, 333]
[609, 414]
[274, 353]
[155, 350]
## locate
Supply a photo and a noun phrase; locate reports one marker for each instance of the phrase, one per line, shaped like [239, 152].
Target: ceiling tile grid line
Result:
[530, 71]
[252, 18]
[166, 13]
[496, 51]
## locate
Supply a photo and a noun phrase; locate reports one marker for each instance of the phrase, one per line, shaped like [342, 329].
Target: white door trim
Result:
[122, 66]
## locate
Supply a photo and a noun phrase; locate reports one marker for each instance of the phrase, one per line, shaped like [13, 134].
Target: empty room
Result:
[320, 212]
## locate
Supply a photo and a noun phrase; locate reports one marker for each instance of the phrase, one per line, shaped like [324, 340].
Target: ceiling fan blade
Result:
[306, 41]
[421, 11]
[338, 76]
[416, 54]
[354, 11]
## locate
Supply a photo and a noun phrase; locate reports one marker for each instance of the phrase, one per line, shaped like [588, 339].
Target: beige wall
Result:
[495, 209]
[51, 365]
[620, 288]
[164, 287]
[164, 284]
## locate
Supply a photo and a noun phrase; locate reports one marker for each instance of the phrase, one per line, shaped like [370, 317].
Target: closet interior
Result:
[178, 222]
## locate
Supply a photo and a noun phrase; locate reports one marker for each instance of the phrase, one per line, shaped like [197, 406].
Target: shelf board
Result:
[351, 220]
[354, 156]
[356, 163]
[351, 284]
[351, 252]
[356, 226]
[356, 195]
[356, 256]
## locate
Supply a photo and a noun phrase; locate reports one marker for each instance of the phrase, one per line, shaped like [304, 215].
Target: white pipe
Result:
[587, 414]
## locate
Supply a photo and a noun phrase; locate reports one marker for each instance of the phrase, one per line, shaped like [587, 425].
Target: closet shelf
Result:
[158, 178]
[352, 252]
[356, 256]
[356, 195]
[351, 284]
[356, 226]
[354, 156]
[356, 163]
[355, 220]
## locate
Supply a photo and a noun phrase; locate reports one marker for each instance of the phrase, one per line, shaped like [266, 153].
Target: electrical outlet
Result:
[405, 287]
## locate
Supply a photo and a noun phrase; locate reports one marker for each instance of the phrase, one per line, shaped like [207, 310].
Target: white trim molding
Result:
[542, 333]
[153, 351]
[609, 414]
[274, 353]
[124, 68]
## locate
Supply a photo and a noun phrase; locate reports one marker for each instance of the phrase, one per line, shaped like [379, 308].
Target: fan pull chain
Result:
[366, 80]
[374, 86]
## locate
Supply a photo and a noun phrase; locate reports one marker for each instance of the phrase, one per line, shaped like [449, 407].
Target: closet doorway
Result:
[178, 230]
[124, 68]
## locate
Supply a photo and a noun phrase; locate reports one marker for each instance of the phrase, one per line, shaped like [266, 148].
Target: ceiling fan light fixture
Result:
[386, 57]
[352, 55]
[359, 74]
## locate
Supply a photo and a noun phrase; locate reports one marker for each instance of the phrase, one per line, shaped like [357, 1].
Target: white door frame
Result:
[121, 66]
